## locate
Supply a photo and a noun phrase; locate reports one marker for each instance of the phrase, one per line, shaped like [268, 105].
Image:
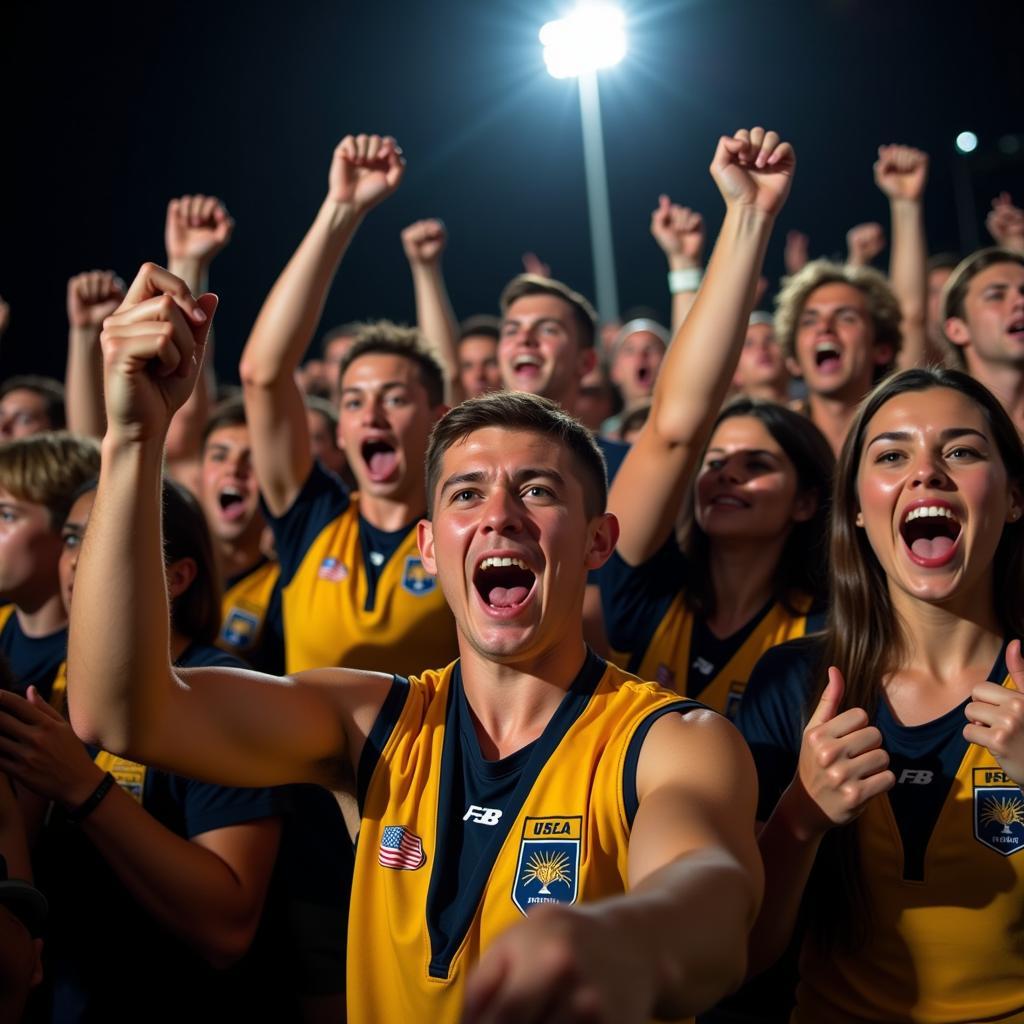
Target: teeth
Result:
[232, 492]
[827, 347]
[497, 563]
[928, 512]
[527, 361]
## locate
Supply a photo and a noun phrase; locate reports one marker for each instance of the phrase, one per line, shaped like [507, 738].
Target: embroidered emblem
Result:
[735, 696]
[998, 811]
[240, 628]
[401, 849]
[549, 862]
[416, 579]
[332, 570]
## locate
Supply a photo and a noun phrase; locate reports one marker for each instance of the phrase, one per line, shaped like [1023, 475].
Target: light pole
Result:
[593, 36]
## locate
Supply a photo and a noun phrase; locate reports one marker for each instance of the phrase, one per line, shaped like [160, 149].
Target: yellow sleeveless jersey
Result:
[949, 948]
[245, 606]
[563, 836]
[667, 658]
[327, 620]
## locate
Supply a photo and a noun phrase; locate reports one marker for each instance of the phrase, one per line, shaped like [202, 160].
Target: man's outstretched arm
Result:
[234, 727]
[753, 171]
[675, 943]
[365, 170]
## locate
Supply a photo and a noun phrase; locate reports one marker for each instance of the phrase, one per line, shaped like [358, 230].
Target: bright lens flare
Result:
[593, 36]
[967, 142]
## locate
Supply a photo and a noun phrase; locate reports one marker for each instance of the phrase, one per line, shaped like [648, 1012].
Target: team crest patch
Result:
[998, 811]
[332, 570]
[416, 579]
[732, 702]
[549, 862]
[240, 628]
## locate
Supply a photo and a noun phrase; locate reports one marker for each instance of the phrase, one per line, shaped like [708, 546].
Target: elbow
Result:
[258, 374]
[222, 947]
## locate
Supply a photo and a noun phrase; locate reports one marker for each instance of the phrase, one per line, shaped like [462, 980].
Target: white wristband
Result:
[687, 280]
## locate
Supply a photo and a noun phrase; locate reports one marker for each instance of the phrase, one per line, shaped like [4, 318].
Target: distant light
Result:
[967, 142]
[592, 36]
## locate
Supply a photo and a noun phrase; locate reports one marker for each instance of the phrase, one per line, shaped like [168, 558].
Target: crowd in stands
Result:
[523, 667]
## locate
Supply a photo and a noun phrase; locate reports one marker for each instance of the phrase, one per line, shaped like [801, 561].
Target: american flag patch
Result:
[400, 848]
[332, 570]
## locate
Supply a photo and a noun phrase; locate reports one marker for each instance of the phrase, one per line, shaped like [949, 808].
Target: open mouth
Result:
[381, 459]
[231, 501]
[503, 582]
[728, 501]
[527, 364]
[827, 355]
[1016, 329]
[930, 533]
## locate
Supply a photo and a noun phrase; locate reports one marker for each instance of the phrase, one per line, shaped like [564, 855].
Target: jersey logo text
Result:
[916, 776]
[998, 811]
[482, 815]
[549, 862]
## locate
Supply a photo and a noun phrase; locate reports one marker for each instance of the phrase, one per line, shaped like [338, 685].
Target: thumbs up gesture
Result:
[842, 764]
[996, 717]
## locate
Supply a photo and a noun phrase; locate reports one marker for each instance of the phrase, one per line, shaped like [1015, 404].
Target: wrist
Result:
[680, 261]
[85, 334]
[684, 280]
[128, 444]
[78, 790]
[340, 215]
[77, 813]
[803, 819]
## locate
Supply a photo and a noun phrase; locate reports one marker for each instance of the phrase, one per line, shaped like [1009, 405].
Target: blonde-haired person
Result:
[839, 328]
[38, 476]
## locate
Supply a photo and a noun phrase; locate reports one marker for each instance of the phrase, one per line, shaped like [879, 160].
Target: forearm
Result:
[185, 888]
[293, 308]
[909, 278]
[118, 653]
[788, 850]
[690, 920]
[84, 383]
[13, 843]
[436, 320]
[682, 301]
[695, 376]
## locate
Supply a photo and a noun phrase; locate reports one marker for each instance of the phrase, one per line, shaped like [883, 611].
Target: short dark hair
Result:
[386, 338]
[533, 284]
[942, 261]
[47, 469]
[520, 411]
[351, 329]
[227, 414]
[480, 326]
[50, 390]
[967, 269]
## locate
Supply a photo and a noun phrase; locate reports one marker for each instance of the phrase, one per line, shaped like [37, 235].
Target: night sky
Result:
[116, 111]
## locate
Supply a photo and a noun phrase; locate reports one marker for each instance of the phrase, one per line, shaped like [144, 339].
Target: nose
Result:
[929, 472]
[502, 513]
[373, 412]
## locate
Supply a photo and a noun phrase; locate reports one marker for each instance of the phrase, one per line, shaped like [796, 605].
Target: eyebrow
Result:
[359, 388]
[949, 434]
[527, 473]
[744, 451]
[838, 309]
[541, 320]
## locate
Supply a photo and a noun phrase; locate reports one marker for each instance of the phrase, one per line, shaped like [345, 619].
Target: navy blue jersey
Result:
[34, 661]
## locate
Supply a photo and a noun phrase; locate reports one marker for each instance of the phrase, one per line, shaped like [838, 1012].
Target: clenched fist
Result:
[901, 172]
[679, 232]
[754, 169]
[365, 170]
[424, 241]
[196, 229]
[93, 296]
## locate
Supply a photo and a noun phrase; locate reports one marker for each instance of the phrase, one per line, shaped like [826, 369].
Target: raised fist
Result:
[901, 172]
[1005, 223]
[424, 241]
[796, 253]
[679, 232]
[153, 348]
[93, 296]
[754, 169]
[365, 170]
[197, 228]
[863, 243]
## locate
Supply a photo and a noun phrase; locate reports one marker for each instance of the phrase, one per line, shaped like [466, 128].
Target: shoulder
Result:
[614, 454]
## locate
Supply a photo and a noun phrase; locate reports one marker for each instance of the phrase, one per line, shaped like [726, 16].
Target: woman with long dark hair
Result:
[756, 479]
[891, 750]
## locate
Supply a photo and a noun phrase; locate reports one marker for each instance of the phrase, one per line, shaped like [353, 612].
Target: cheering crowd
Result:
[528, 668]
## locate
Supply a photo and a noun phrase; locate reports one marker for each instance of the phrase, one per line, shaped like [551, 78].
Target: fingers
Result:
[483, 985]
[831, 698]
[153, 280]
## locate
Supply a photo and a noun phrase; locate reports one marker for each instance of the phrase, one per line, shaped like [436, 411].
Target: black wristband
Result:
[78, 814]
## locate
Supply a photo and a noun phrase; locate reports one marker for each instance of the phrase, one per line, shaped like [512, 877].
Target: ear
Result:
[604, 536]
[957, 331]
[1016, 504]
[793, 367]
[804, 506]
[425, 540]
[180, 576]
[586, 360]
[859, 520]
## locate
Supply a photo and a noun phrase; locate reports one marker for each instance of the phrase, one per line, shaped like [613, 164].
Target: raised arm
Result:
[92, 297]
[679, 233]
[365, 170]
[902, 173]
[753, 171]
[424, 242]
[231, 726]
[196, 229]
[863, 243]
[673, 944]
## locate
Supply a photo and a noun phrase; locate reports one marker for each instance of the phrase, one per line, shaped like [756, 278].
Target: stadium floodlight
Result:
[967, 142]
[591, 37]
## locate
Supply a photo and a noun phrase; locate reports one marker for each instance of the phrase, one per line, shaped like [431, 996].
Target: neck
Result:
[1005, 381]
[393, 513]
[238, 556]
[832, 416]
[742, 573]
[778, 392]
[942, 641]
[41, 616]
[513, 702]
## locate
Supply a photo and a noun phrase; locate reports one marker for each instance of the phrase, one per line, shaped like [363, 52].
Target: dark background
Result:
[116, 110]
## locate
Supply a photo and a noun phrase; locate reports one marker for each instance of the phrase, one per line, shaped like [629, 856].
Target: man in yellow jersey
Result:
[497, 793]
[353, 588]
